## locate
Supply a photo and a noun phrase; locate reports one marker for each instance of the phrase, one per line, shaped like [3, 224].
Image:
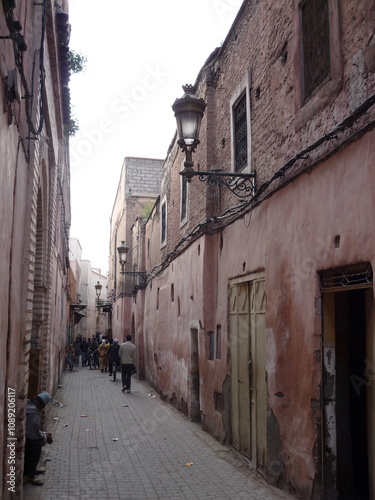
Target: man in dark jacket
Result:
[114, 358]
[35, 438]
[84, 346]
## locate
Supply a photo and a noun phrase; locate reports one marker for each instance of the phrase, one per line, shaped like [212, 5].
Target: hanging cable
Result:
[19, 47]
[213, 224]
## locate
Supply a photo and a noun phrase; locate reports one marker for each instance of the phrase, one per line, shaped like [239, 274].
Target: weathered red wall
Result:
[313, 217]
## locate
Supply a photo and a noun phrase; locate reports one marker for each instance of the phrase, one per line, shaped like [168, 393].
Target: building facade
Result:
[34, 215]
[138, 188]
[258, 315]
[91, 312]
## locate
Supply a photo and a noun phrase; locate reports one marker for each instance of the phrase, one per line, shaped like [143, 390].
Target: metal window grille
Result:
[316, 46]
[357, 275]
[240, 134]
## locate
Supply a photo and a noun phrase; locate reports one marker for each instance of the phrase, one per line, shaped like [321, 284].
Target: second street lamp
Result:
[98, 290]
[122, 251]
[139, 276]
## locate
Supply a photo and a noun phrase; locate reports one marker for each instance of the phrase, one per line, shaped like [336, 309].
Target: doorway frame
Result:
[248, 433]
[331, 284]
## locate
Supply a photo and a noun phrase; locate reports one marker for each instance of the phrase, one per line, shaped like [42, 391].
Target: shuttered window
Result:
[316, 45]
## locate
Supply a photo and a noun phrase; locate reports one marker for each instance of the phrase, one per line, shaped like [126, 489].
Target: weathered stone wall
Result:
[138, 188]
[34, 215]
[310, 214]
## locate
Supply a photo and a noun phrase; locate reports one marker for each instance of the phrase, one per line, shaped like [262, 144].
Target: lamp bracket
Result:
[241, 185]
[139, 275]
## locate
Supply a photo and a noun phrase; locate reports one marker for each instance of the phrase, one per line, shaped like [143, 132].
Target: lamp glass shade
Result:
[189, 111]
[122, 252]
[98, 289]
[188, 125]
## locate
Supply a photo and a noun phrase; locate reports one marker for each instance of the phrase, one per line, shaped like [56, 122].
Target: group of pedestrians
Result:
[107, 355]
[112, 356]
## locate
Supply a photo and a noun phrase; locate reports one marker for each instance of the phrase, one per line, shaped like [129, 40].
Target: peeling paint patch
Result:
[285, 335]
[329, 372]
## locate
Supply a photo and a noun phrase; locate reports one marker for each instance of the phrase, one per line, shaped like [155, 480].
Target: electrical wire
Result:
[213, 224]
[19, 47]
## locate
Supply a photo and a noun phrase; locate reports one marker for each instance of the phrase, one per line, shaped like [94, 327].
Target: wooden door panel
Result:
[247, 306]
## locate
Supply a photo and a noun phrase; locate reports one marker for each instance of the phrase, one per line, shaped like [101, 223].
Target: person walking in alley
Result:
[35, 438]
[127, 357]
[70, 357]
[113, 356]
[84, 348]
[103, 355]
[92, 353]
[77, 350]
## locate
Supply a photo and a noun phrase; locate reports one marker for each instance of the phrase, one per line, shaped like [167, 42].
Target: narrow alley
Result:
[113, 445]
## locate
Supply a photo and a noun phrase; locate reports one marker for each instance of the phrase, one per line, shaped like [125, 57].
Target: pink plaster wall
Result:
[28, 176]
[289, 236]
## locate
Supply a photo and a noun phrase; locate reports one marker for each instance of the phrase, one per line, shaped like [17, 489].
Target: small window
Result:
[163, 235]
[315, 45]
[184, 195]
[240, 133]
[211, 345]
[218, 342]
[318, 60]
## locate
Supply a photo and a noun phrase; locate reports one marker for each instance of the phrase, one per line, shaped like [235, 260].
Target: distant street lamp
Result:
[98, 290]
[122, 251]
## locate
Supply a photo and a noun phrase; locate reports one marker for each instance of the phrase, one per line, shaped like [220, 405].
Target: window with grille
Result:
[315, 45]
[183, 198]
[211, 345]
[240, 133]
[163, 236]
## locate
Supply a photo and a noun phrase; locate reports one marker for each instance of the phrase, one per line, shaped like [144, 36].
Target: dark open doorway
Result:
[351, 401]
[348, 344]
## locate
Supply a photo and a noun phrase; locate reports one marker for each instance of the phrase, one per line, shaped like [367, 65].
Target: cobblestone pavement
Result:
[114, 445]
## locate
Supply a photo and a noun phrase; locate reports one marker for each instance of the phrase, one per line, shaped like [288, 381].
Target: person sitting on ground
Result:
[35, 438]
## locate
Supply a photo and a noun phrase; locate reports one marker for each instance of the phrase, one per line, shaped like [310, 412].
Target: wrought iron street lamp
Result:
[122, 251]
[103, 305]
[189, 111]
[98, 290]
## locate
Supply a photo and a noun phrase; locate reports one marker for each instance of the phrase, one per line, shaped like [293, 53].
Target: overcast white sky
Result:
[139, 54]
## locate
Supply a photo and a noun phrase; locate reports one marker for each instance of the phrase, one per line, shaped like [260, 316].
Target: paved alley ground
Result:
[113, 445]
